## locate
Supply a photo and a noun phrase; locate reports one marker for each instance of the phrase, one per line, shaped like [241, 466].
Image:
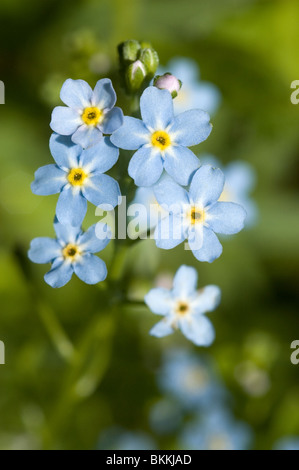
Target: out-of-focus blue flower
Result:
[165, 416]
[197, 215]
[194, 92]
[78, 177]
[240, 180]
[216, 429]
[287, 443]
[161, 139]
[71, 252]
[89, 113]
[116, 438]
[189, 379]
[184, 307]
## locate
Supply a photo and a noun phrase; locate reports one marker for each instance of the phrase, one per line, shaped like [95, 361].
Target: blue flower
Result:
[216, 429]
[240, 180]
[194, 93]
[78, 177]
[189, 379]
[184, 308]
[196, 215]
[88, 114]
[161, 139]
[71, 252]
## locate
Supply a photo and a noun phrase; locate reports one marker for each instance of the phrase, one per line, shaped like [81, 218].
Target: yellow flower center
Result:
[196, 215]
[70, 252]
[76, 177]
[182, 308]
[92, 116]
[161, 140]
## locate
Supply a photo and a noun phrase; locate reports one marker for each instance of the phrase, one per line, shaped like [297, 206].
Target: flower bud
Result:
[150, 59]
[168, 82]
[128, 51]
[135, 75]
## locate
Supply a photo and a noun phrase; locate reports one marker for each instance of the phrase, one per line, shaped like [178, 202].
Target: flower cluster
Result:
[82, 156]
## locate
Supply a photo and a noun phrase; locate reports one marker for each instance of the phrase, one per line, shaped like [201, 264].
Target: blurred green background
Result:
[75, 365]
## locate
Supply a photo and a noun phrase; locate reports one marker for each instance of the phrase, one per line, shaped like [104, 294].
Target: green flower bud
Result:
[135, 75]
[128, 51]
[150, 59]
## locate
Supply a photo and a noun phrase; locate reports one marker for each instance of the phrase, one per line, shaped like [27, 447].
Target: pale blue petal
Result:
[102, 189]
[59, 275]
[112, 121]
[206, 300]
[90, 269]
[180, 163]
[104, 96]
[48, 179]
[44, 250]
[226, 217]
[64, 151]
[206, 96]
[169, 232]
[206, 185]
[66, 233]
[87, 136]
[185, 281]
[101, 157]
[159, 301]
[145, 167]
[240, 177]
[76, 94]
[89, 242]
[65, 120]
[198, 329]
[71, 207]
[195, 237]
[211, 247]
[171, 195]
[156, 108]
[131, 135]
[163, 328]
[191, 127]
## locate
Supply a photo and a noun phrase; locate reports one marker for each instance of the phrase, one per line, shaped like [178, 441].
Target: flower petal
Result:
[145, 167]
[211, 247]
[169, 232]
[206, 185]
[59, 275]
[100, 158]
[226, 217]
[65, 120]
[104, 96]
[171, 195]
[48, 179]
[131, 135]
[71, 207]
[191, 127]
[64, 151]
[162, 328]
[159, 301]
[185, 281]
[112, 121]
[44, 250]
[90, 269]
[89, 241]
[66, 233]
[101, 189]
[156, 108]
[76, 94]
[198, 329]
[87, 136]
[180, 163]
[206, 300]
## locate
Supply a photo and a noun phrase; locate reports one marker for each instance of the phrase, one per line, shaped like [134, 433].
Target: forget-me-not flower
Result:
[78, 177]
[183, 307]
[194, 93]
[71, 252]
[89, 113]
[161, 139]
[197, 215]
